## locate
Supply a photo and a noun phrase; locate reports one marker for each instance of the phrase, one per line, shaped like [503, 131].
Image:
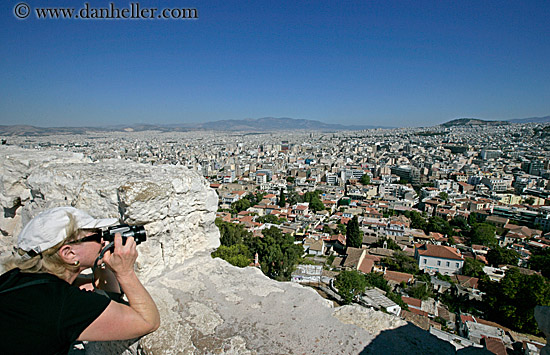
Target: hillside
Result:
[473, 122]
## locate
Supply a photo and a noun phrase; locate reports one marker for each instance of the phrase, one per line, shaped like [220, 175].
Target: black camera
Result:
[138, 232]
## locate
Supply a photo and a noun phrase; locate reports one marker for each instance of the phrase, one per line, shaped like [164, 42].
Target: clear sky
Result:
[391, 63]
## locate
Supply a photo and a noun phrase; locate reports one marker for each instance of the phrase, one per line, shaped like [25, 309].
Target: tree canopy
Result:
[390, 243]
[237, 254]
[282, 199]
[499, 256]
[350, 283]
[401, 262]
[354, 236]
[417, 220]
[484, 234]
[420, 290]
[439, 225]
[511, 302]
[241, 205]
[270, 218]
[231, 233]
[277, 253]
[315, 202]
[540, 261]
[365, 179]
[473, 268]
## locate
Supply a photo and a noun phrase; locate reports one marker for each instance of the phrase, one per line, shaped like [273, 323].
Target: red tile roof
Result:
[467, 281]
[496, 346]
[366, 266]
[397, 276]
[415, 302]
[438, 251]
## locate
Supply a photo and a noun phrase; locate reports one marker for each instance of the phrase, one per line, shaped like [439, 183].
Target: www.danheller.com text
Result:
[134, 11]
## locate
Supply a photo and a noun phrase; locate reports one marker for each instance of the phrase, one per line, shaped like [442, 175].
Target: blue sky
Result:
[391, 63]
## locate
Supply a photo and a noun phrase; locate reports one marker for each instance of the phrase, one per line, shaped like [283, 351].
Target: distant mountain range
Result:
[265, 124]
[281, 123]
[544, 119]
[478, 122]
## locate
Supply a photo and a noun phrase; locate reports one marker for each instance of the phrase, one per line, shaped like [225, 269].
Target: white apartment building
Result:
[439, 258]
[332, 179]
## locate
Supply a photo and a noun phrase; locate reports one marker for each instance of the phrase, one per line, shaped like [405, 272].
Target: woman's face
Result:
[87, 251]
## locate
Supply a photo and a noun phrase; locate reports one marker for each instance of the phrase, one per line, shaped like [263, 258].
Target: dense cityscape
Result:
[447, 227]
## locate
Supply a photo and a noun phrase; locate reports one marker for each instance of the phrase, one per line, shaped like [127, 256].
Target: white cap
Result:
[49, 228]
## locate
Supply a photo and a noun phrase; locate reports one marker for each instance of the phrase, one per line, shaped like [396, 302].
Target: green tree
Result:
[457, 301]
[282, 199]
[461, 223]
[231, 233]
[401, 262]
[473, 268]
[474, 218]
[277, 253]
[540, 261]
[365, 179]
[344, 201]
[511, 301]
[439, 225]
[327, 229]
[417, 220]
[354, 236]
[241, 205]
[315, 202]
[350, 284]
[420, 290]
[237, 254]
[444, 277]
[444, 196]
[342, 228]
[484, 234]
[376, 279]
[499, 256]
[270, 218]
[293, 197]
[255, 198]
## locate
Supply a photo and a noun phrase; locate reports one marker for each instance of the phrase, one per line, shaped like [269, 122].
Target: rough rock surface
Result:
[176, 205]
[207, 305]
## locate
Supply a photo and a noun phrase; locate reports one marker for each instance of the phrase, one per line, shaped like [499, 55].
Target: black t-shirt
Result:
[44, 318]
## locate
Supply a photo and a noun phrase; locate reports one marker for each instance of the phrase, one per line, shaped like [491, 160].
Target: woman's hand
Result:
[121, 260]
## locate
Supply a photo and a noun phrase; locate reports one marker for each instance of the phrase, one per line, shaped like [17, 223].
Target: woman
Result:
[42, 309]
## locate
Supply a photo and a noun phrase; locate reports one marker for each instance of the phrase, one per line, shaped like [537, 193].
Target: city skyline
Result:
[390, 64]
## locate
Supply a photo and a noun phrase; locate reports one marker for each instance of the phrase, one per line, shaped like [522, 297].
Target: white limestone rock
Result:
[175, 204]
[211, 307]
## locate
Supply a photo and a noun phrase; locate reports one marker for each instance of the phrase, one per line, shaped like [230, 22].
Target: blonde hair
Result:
[49, 260]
